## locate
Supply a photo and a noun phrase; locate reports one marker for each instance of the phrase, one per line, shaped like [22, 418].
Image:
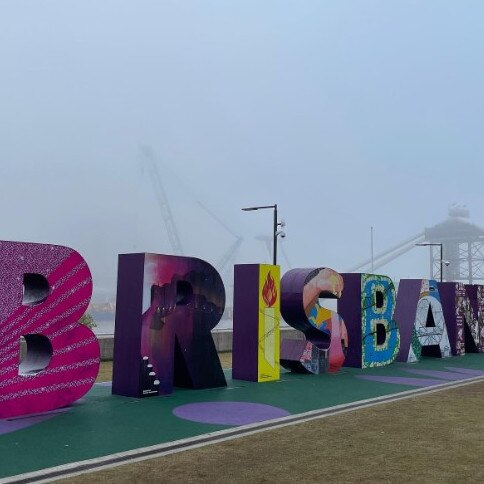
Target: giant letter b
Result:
[44, 290]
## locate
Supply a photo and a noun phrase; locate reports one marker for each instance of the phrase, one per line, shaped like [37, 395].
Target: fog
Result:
[347, 114]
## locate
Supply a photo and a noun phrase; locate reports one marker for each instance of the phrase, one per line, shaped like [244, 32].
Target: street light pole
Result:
[441, 245]
[441, 262]
[274, 250]
[275, 226]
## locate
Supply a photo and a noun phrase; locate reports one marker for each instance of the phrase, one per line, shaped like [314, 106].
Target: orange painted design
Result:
[269, 291]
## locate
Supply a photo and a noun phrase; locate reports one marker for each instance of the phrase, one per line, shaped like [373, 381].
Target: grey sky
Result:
[347, 114]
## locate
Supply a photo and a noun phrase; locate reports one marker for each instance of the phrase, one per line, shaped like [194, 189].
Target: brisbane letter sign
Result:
[167, 306]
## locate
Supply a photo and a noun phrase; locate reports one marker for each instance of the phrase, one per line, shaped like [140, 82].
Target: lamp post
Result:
[425, 244]
[275, 231]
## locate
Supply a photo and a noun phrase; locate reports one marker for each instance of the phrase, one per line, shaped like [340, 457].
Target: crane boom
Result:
[390, 254]
[154, 175]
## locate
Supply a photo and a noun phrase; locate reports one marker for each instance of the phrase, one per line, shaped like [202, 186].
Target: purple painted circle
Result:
[229, 413]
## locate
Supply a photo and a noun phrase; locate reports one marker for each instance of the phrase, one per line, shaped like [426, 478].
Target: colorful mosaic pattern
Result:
[421, 320]
[429, 321]
[480, 317]
[300, 308]
[379, 330]
[463, 312]
[470, 314]
[367, 306]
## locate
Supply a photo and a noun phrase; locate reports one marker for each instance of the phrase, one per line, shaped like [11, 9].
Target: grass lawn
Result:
[434, 438]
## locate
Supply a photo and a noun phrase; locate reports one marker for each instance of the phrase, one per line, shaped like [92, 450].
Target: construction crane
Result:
[148, 160]
[225, 263]
[462, 245]
[388, 255]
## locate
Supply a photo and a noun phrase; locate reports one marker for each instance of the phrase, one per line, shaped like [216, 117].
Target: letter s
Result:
[300, 293]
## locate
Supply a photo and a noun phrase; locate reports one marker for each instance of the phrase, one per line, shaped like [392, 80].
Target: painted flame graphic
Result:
[269, 291]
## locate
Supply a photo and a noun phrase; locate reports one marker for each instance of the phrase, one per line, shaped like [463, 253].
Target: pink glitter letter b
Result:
[44, 291]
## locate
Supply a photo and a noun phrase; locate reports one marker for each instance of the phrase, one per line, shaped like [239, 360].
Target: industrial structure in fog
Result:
[461, 259]
[462, 249]
[456, 245]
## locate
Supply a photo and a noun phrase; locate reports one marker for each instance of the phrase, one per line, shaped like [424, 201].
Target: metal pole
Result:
[274, 253]
[441, 262]
[469, 261]
[274, 261]
[432, 259]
